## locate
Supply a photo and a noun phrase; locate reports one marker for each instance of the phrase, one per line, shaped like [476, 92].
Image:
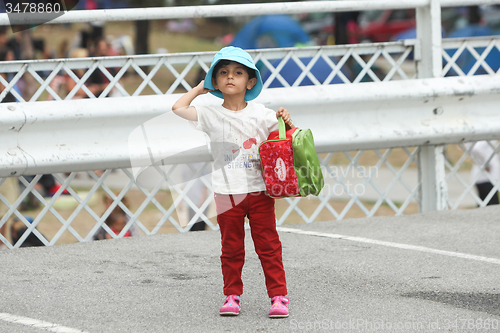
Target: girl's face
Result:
[232, 79]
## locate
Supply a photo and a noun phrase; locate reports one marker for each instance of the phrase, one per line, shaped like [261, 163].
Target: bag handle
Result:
[282, 128]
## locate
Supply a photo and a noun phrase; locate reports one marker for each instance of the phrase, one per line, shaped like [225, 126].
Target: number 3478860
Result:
[32, 8]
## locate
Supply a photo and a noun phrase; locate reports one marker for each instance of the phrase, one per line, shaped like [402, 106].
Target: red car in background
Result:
[382, 25]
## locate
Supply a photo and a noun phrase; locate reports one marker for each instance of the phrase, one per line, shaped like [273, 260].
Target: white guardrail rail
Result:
[90, 134]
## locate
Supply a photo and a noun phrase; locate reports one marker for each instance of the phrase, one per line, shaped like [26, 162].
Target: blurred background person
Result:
[63, 84]
[98, 82]
[116, 221]
[10, 191]
[481, 152]
[18, 230]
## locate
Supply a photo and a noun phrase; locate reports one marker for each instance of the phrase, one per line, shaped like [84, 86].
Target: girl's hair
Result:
[251, 72]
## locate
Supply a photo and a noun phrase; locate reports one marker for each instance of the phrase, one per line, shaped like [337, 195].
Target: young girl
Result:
[236, 128]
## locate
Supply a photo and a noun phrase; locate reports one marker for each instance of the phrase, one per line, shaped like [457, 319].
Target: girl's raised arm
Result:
[183, 107]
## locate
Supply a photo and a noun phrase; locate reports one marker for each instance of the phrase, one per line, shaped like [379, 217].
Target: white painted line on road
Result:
[392, 244]
[38, 324]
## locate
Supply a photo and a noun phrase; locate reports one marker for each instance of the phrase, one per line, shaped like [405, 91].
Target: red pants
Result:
[231, 212]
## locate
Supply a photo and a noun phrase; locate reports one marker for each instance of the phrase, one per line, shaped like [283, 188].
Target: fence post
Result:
[431, 166]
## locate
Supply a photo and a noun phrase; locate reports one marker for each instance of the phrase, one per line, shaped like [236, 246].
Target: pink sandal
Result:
[279, 307]
[231, 306]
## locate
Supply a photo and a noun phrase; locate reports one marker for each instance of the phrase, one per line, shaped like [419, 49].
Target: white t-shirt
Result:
[235, 137]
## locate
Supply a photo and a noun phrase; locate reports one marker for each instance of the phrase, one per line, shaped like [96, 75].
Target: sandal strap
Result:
[282, 299]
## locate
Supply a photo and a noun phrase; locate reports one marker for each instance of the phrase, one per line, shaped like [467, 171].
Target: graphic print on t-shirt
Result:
[244, 135]
[249, 143]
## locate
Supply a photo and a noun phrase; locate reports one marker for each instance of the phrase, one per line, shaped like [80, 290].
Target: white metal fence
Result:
[365, 176]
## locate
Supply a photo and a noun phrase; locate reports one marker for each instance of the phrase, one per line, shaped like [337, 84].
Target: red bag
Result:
[276, 156]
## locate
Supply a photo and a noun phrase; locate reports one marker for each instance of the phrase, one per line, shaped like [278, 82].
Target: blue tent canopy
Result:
[291, 72]
[274, 31]
[270, 31]
[466, 60]
[411, 34]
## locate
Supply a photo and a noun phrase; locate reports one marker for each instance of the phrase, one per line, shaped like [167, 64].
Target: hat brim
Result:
[251, 94]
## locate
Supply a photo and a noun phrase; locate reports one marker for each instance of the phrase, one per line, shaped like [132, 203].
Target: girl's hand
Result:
[201, 90]
[286, 117]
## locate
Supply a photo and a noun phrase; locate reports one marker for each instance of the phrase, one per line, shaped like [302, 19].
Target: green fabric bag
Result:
[306, 162]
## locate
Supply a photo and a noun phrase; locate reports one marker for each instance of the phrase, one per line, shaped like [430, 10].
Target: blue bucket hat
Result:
[240, 56]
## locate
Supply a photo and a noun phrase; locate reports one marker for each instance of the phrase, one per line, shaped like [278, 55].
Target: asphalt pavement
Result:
[433, 272]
